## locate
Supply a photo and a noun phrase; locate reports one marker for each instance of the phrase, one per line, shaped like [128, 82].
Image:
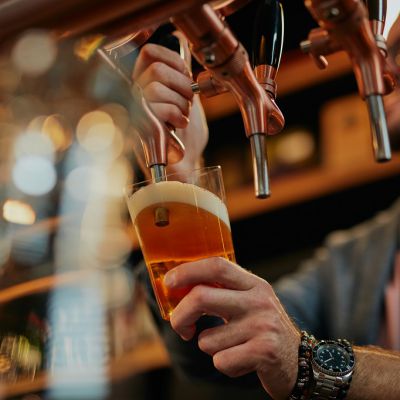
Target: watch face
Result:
[333, 358]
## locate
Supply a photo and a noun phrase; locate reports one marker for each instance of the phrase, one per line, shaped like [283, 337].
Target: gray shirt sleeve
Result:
[300, 294]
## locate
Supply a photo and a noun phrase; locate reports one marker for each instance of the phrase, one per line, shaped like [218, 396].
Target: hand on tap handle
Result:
[165, 80]
[156, 143]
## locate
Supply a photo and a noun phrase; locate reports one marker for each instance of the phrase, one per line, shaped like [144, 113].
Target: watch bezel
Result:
[327, 371]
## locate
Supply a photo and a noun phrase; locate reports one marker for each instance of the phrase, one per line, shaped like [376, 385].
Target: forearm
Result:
[376, 375]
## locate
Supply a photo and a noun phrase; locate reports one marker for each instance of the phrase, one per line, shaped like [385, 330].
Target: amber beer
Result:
[198, 227]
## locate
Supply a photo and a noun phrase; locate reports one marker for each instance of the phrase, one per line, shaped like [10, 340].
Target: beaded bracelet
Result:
[304, 373]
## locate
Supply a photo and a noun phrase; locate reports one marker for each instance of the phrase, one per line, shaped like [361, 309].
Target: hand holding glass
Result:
[178, 221]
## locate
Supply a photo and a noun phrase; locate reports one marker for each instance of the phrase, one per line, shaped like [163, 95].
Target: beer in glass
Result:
[178, 222]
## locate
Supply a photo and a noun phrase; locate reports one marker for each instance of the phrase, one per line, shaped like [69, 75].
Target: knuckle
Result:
[157, 70]
[147, 51]
[199, 294]
[173, 111]
[260, 302]
[262, 298]
[219, 266]
[180, 275]
[261, 325]
[205, 344]
[175, 324]
[270, 351]
[221, 364]
[154, 88]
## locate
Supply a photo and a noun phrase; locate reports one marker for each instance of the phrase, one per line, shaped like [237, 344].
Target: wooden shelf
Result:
[41, 285]
[146, 356]
[297, 72]
[307, 185]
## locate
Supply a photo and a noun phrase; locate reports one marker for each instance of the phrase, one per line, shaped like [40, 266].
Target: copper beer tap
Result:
[344, 25]
[228, 68]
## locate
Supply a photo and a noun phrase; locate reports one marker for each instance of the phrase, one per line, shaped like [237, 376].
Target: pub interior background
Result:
[73, 322]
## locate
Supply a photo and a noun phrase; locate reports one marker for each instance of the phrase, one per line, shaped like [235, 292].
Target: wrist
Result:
[325, 369]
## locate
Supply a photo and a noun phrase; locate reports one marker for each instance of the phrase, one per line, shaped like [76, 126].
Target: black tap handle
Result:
[376, 9]
[268, 34]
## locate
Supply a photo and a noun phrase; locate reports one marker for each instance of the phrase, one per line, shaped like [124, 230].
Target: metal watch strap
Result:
[327, 387]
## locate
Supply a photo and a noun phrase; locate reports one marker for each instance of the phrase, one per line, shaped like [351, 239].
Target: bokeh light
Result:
[104, 246]
[295, 147]
[34, 175]
[34, 52]
[118, 175]
[95, 131]
[18, 212]
[57, 129]
[33, 144]
[81, 182]
[118, 113]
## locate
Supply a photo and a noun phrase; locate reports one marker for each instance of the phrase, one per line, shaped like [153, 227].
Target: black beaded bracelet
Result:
[304, 372]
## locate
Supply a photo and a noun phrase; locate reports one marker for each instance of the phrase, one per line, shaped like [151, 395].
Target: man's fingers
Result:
[213, 270]
[168, 76]
[238, 360]
[156, 92]
[151, 53]
[214, 340]
[170, 113]
[204, 300]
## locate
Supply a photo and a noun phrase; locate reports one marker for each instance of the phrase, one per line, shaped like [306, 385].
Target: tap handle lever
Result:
[377, 11]
[268, 34]
[267, 43]
[377, 17]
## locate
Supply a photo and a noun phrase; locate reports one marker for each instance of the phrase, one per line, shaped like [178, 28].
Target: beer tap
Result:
[344, 25]
[159, 141]
[266, 55]
[228, 67]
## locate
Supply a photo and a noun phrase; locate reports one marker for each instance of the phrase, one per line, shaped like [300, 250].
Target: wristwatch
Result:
[332, 363]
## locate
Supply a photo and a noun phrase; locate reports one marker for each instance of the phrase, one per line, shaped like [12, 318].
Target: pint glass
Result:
[177, 221]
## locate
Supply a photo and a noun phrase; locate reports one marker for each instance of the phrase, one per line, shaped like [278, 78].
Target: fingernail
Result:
[169, 279]
[187, 334]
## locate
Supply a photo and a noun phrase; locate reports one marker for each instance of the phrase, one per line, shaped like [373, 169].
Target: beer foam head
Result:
[173, 191]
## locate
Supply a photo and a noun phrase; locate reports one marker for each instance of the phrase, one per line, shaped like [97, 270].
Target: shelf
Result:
[307, 185]
[297, 72]
[41, 285]
[146, 356]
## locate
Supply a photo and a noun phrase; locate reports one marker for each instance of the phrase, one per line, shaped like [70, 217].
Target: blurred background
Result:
[74, 323]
